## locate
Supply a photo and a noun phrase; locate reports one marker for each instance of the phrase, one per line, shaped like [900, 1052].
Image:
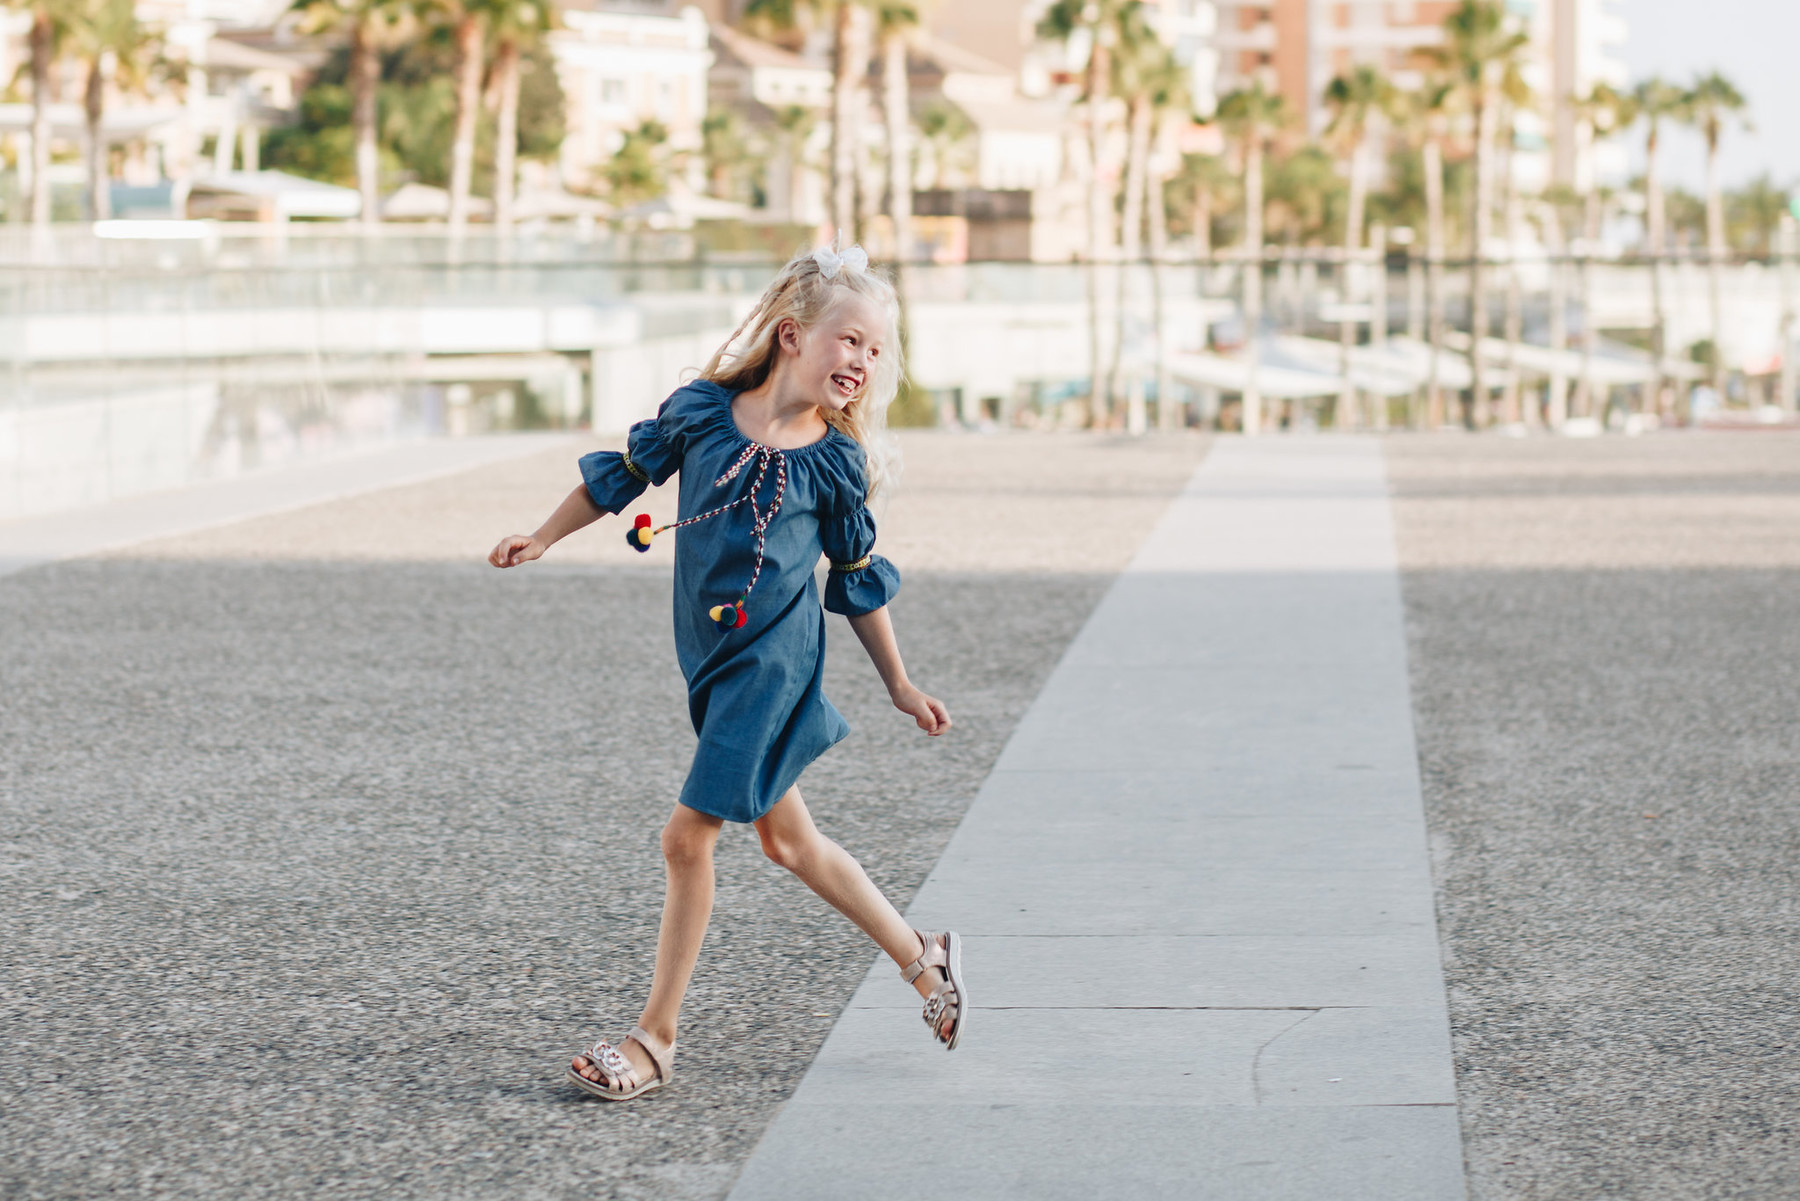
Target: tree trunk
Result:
[897, 111]
[1586, 401]
[41, 52]
[506, 132]
[1203, 215]
[1514, 405]
[1346, 417]
[1166, 411]
[1655, 220]
[1378, 311]
[1131, 245]
[468, 105]
[1557, 403]
[94, 106]
[1253, 262]
[1099, 224]
[1715, 259]
[1433, 156]
[365, 77]
[1475, 413]
[848, 64]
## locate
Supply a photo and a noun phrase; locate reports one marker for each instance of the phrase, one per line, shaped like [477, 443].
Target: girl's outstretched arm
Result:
[876, 633]
[577, 510]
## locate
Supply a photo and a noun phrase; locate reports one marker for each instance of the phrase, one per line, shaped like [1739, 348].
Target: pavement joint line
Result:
[1318, 1089]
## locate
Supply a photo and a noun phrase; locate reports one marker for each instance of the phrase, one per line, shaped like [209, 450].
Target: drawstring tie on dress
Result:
[731, 616]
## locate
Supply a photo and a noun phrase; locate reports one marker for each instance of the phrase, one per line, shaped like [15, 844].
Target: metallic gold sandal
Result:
[949, 1001]
[619, 1080]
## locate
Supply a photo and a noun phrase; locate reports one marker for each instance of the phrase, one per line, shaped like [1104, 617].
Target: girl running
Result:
[780, 443]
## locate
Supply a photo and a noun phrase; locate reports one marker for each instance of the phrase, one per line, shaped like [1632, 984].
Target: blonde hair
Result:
[804, 293]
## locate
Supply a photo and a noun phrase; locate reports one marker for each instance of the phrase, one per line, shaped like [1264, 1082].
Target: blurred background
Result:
[242, 233]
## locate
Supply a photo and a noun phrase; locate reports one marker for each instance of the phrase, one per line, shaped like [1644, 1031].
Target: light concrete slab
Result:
[1071, 1151]
[1183, 971]
[29, 541]
[1357, 842]
[1223, 1056]
[1195, 890]
[1275, 790]
[1135, 898]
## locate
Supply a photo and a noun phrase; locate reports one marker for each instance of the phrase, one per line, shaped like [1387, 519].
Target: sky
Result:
[1754, 43]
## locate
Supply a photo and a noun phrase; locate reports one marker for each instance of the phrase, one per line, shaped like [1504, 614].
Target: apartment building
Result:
[1296, 47]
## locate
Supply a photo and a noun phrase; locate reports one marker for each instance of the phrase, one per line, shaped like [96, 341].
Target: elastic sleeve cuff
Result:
[864, 590]
[610, 482]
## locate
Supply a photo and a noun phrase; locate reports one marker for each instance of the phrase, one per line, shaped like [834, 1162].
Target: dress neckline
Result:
[741, 436]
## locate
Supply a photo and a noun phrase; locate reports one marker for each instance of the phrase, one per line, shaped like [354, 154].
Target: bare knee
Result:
[686, 846]
[794, 851]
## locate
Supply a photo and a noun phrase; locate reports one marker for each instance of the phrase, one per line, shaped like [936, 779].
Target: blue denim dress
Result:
[755, 693]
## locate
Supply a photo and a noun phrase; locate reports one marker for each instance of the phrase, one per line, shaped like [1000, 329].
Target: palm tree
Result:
[373, 25]
[49, 26]
[1557, 201]
[849, 56]
[1250, 117]
[1711, 102]
[467, 19]
[1656, 100]
[1098, 22]
[106, 34]
[895, 21]
[1169, 97]
[1208, 183]
[1141, 63]
[514, 26]
[1423, 115]
[794, 125]
[1753, 215]
[1481, 54]
[1604, 110]
[1355, 99]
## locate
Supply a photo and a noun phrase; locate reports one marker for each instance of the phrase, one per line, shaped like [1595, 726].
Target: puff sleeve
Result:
[859, 581]
[653, 453]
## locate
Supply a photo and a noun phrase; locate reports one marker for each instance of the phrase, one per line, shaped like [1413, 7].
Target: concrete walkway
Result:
[1196, 894]
[92, 529]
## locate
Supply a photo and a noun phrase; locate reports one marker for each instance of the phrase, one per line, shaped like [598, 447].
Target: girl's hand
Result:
[515, 549]
[928, 711]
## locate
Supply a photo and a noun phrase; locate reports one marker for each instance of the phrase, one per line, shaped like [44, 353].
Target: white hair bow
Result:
[831, 262]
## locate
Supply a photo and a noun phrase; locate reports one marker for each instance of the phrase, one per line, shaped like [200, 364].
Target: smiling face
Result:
[834, 359]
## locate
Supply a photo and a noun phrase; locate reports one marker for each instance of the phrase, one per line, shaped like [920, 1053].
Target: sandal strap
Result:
[614, 1067]
[935, 956]
[661, 1053]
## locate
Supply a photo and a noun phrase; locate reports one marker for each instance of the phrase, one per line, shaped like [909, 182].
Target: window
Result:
[612, 91]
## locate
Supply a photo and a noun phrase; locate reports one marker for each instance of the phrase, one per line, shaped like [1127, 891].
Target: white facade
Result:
[621, 69]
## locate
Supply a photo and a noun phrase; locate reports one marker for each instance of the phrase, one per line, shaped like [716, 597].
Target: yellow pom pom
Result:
[716, 612]
[643, 534]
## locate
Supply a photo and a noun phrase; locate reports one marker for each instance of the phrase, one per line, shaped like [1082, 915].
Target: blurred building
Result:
[622, 65]
[1296, 47]
[784, 102]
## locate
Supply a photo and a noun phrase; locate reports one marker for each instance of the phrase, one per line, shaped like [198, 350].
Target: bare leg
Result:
[790, 839]
[687, 843]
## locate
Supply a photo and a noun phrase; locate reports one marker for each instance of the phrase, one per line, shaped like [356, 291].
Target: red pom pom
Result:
[641, 520]
[742, 620]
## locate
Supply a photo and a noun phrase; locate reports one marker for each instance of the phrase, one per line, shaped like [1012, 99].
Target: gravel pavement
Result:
[323, 846]
[1603, 640]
